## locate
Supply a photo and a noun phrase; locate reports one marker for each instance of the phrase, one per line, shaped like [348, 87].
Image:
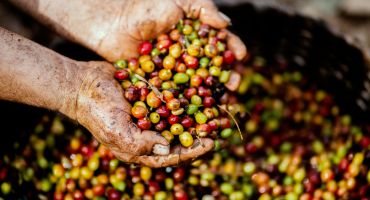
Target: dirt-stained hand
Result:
[102, 109]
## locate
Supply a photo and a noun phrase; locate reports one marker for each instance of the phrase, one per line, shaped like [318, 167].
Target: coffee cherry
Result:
[196, 100]
[200, 118]
[217, 61]
[145, 173]
[133, 64]
[177, 129]
[203, 130]
[226, 132]
[202, 72]
[193, 50]
[187, 122]
[167, 135]
[173, 104]
[196, 81]
[139, 112]
[175, 35]
[191, 62]
[163, 111]
[121, 74]
[208, 102]
[131, 94]
[204, 92]
[192, 108]
[163, 45]
[173, 119]
[181, 78]
[175, 50]
[144, 58]
[148, 66]
[186, 139]
[228, 57]
[161, 125]
[181, 68]
[203, 62]
[215, 71]
[144, 123]
[154, 117]
[169, 62]
[145, 48]
[138, 189]
[144, 91]
[152, 100]
[178, 111]
[210, 50]
[165, 74]
[188, 93]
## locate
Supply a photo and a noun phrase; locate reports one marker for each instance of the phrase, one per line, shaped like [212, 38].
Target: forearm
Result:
[84, 21]
[34, 75]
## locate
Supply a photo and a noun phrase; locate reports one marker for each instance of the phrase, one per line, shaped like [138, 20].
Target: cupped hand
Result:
[102, 109]
[146, 19]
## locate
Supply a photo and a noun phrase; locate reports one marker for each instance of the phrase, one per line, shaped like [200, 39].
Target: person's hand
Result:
[114, 29]
[146, 19]
[102, 109]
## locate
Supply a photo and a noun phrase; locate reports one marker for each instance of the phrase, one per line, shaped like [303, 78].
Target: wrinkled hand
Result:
[102, 109]
[145, 19]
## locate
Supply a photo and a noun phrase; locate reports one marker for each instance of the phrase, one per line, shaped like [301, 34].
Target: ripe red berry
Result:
[187, 122]
[161, 125]
[143, 93]
[191, 62]
[133, 64]
[195, 80]
[214, 124]
[204, 92]
[203, 129]
[163, 111]
[228, 57]
[163, 45]
[210, 81]
[179, 174]
[78, 195]
[144, 123]
[153, 187]
[173, 119]
[188, 93]
[208, 102]
[113, 194]
[145, 48]
[225, 123]
[121, 74]
[131, 94]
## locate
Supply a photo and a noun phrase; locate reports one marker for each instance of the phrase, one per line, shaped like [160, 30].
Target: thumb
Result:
[206, 11]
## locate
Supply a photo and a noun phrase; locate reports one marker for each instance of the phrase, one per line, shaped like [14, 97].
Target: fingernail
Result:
[225, 17]
[161, 149]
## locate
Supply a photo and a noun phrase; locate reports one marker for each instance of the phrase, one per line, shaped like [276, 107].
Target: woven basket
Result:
[323, 55]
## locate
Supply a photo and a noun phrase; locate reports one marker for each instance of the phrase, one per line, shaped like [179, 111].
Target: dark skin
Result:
[86, 91]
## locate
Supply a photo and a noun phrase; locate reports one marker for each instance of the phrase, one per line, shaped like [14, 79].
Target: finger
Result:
[125, 157]
[178, 154]
[149, 139]
[236, 45]
[206, 11]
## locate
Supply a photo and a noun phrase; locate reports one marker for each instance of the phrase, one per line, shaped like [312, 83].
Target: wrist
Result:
[74, 76]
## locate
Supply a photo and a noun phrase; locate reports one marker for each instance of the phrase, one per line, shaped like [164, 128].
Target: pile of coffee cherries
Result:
[175, 84]
[298, 146]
